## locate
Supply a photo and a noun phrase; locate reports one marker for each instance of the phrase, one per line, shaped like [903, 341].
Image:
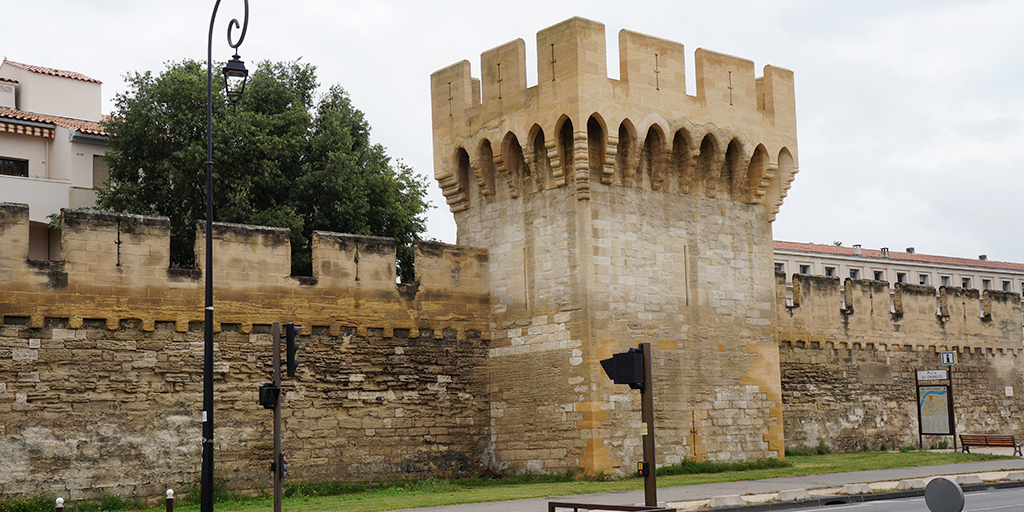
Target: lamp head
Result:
[235, 76]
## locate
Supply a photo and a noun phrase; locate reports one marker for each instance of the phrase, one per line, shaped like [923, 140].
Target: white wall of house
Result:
[54, 95]
[64, 166]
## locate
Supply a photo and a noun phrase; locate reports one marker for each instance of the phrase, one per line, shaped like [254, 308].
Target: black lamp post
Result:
[235, 76]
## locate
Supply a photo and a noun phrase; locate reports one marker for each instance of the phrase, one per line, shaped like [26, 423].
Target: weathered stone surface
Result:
[793, 495]
[352, 412]
[616, 212]
[855, 489]
[734, 500]
[849, 374]
[968, 479]
[907, 485]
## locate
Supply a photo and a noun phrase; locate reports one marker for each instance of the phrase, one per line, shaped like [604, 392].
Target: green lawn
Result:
[438, 493]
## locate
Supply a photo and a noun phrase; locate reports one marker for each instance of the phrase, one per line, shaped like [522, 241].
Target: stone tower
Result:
[617, 212]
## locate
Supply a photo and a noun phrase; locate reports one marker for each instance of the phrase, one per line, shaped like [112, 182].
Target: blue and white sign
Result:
[948, 358]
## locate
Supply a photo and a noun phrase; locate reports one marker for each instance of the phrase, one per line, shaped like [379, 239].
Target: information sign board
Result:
[932, 375]
[934, 410]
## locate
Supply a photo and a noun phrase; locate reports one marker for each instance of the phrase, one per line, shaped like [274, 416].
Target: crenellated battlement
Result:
[117, 266]
[864, 312]
[496, 138]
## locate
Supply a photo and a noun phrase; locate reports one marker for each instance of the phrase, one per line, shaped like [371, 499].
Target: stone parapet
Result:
[116, 267]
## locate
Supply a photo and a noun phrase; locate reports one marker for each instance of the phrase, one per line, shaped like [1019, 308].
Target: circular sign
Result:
[944, 495]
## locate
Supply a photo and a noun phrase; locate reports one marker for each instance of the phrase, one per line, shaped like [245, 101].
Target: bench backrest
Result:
[987, 440]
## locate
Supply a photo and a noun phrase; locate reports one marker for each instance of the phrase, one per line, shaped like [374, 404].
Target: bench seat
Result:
[1001, 440]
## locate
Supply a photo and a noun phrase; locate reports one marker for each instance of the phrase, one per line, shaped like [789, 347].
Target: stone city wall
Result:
[849, 357]
[101, 359]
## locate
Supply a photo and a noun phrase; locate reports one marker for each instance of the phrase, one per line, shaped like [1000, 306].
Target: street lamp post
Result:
[235, 76]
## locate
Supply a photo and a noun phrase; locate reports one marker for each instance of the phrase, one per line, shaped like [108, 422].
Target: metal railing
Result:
[554, 506]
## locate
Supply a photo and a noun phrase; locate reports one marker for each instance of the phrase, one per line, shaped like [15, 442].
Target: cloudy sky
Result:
[910, 114]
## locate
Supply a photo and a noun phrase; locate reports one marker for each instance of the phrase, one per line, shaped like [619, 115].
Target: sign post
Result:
[634, 369]
[934, 405]
[275, 335]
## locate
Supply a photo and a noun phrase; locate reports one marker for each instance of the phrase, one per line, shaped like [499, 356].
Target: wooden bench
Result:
[1006, 441]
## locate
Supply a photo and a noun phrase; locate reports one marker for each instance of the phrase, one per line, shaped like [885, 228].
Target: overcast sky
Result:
[910, 114]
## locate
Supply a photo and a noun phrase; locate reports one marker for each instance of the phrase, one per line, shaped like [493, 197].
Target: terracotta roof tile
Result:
[898, 256]
[52, 72]
[8, 80]
[74, 124]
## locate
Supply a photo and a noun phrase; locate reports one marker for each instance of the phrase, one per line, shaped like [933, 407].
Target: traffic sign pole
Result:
[275, 336]
[647, 417]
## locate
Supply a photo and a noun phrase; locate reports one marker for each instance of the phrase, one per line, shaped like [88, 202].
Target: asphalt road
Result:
[1003, 500]
[704, 491]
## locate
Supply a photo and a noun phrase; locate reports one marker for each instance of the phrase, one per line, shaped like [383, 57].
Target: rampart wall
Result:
[849, 356]
[101, 359]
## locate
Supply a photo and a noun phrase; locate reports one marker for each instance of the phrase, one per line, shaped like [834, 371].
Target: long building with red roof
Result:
[908, 266]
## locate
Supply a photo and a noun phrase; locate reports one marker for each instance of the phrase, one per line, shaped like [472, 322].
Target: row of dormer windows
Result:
[922, 278]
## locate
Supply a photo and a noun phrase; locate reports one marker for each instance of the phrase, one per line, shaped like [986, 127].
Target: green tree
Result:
[284, 156]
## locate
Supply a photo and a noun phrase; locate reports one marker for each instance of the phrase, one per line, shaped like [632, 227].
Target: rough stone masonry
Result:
[593, 214]
[616, 212]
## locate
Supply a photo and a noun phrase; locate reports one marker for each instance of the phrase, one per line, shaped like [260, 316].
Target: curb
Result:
[858, 498]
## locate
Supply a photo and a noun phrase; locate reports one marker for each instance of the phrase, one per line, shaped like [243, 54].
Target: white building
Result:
[898, 267]
[51, 145]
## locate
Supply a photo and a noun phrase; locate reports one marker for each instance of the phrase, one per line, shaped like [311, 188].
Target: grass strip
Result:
[377, 497]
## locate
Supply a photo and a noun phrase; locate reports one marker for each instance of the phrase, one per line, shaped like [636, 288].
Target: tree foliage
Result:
[284, 156]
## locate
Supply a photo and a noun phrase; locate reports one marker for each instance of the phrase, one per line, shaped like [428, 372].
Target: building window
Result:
[922, 279]
[901, 277]
[780, 268]
[879, 275]
[805, 270]
[854, 273]
[12, 167]
[830, 271]
[965, 282]
[986, 284]
[1007, 287]
[100, 172]
[944, 280]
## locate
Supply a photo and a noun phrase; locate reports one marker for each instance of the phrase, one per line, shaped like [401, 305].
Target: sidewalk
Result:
[691, 497]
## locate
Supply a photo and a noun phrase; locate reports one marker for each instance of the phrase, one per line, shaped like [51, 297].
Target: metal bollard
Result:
[60, 505]
[170, 500]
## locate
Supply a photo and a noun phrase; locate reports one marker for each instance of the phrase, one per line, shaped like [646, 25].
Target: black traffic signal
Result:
[642, 468]
[626, 368]
[269, 395]
[282, 466]
[290, 330]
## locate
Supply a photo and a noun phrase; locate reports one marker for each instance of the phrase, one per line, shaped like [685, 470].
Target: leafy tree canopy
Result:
[283, 156]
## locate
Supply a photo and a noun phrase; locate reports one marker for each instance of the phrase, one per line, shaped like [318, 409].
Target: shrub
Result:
[822, 448]
[691, 467]
[220, 495]
[36, 502]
